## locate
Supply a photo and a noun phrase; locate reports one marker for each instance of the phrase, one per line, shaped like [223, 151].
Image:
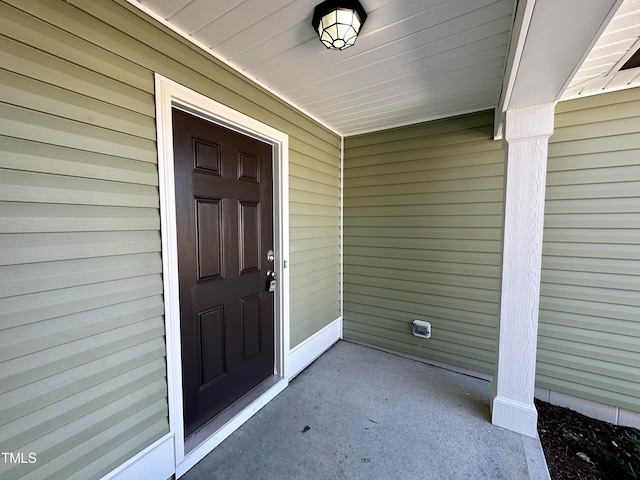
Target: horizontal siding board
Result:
[589, 321]
[610, 350]
[579, 249]
[595, 221]
[412, 208]
[629, 173]
[39, 365]
[36, 95]
[36, 307]
[595, 145]
[315, 232]
[409, 287]
[437, 128]
[414, 161]
[432, 176]
[469, 323]
[602, 128]
[589, 304]
[454, 257]
[44, 36]
[299, 223]
[303, 196]
[315, 187]
[33, 187]
[313, 210]
[63, 465]
[27, 124]
[586, 307]
[584, 279]
[592, 206]
[136, 440]
[302, 281]
[442, 221]
[458, 138]
[613, 111]
[437, 153]
[65, 384]
[31, 156]
[27, 429]
[444, 245]
[35, 337]
[428, 267]
[376, 294]
[306, 167]
[422, 276]
[603, 294]
[594, 190]
[595, 265]
[32, 247]
[415, 194]
[591, 372]
[39, 217]
[39, 65]
[298, 259]
[369, 186]
[578, 163]
[421, 228]
[41, 277]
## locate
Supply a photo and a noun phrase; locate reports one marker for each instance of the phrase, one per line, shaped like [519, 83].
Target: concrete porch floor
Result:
[360, 413]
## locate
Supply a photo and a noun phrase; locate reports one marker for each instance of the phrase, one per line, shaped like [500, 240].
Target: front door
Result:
[224, 219]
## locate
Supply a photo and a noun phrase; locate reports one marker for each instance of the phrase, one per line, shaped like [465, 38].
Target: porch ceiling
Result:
[415, 60]
[601, 70]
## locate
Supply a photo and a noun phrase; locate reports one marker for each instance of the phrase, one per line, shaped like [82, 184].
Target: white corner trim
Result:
[515, 416]
[304, 354]
[209, 51]
[155, 461]
[341, 264]
[171, 94]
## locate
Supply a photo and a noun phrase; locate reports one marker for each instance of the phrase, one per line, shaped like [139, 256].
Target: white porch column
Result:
[527, 131]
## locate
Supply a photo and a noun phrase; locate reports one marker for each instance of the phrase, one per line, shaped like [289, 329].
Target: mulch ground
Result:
[578, 447]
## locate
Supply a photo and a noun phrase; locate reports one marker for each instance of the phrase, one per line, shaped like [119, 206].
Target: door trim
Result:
[170, 94]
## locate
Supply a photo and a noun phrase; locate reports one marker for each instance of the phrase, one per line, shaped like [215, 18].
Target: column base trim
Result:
[518, 417]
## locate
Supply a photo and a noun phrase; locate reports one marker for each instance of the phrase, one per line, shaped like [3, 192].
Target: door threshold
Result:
[233, 411]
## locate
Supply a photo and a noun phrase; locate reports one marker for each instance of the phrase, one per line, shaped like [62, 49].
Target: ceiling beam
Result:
[549, 42]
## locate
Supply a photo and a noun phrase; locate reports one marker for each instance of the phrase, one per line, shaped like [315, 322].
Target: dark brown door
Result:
[224, 210]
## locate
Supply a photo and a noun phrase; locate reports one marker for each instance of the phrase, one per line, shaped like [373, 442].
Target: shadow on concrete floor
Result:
[360, 413]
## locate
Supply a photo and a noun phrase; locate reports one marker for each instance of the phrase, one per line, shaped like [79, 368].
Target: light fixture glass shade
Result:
[338, 22]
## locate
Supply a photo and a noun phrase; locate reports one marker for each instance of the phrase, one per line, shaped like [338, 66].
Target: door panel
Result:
[224, 217]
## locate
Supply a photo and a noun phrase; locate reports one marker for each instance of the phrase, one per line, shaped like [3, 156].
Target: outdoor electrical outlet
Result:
[421, 329]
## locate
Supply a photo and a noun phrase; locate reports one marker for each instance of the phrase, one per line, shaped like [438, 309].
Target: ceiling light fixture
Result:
[338, 22]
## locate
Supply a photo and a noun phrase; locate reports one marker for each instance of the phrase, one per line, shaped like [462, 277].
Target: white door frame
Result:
[170, 94]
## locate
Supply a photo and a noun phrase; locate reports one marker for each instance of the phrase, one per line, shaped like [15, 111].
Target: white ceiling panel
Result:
[414, 59]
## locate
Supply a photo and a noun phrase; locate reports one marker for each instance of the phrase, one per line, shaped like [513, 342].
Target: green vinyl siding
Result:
[82, 349]
[589, 330]
[423, 220]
